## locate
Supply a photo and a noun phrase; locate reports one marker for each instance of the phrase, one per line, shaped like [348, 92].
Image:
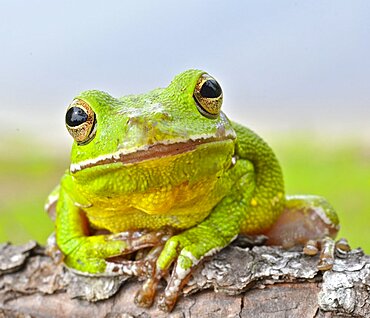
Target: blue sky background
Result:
[282, 64]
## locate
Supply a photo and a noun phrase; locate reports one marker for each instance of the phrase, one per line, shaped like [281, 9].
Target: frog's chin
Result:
[149, 152]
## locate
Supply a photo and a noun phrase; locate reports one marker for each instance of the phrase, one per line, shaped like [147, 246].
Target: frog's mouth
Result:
[149, 152]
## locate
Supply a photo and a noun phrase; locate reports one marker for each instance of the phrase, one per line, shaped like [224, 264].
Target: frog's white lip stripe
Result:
[157, 150]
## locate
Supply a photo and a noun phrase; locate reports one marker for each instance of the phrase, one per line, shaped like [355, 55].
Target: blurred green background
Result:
[297, 72]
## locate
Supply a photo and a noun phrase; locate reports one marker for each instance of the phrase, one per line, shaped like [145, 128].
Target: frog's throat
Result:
[148, 152]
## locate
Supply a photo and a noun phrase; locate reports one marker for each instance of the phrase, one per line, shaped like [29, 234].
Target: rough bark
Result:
[237, 282]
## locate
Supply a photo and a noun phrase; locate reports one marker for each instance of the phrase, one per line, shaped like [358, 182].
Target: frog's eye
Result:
[80, 121]
[208, 96]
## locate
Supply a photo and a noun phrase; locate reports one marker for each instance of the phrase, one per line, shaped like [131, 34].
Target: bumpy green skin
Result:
[209, 194]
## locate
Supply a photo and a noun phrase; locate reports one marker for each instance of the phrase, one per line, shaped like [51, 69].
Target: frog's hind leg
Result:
[309, 221]
[304, 218]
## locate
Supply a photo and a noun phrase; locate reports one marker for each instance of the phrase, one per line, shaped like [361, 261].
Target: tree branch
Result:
[237, 282]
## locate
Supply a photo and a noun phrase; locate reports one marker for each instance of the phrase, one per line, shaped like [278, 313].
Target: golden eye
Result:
[208, 96]
[80, 121]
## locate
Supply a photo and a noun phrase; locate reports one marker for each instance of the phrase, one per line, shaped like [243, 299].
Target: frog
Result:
[167, 175]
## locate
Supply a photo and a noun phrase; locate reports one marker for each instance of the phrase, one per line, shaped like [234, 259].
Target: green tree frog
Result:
[168, 173]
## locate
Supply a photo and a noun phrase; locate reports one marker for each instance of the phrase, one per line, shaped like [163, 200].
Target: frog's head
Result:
[135, 128]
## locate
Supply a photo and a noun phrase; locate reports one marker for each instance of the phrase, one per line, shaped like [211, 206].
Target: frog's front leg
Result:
[309, 221]
[90, 253]
[190, 247]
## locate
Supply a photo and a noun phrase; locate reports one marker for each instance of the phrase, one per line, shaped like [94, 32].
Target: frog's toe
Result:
[328, 250]
[326, 261]
[342, 246]
[145, 296]
[178, 279]
[184, 266]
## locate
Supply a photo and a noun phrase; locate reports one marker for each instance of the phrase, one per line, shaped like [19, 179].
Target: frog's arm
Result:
[87, 253]
[253, 204]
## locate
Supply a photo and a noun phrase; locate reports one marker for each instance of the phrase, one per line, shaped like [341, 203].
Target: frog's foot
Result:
[92, 254]
[143, 267]
[186, 250]
[309, 221]
[179, 277]
[328, 248]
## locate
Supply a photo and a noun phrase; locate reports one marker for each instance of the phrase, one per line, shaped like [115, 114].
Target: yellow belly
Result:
[180, 207]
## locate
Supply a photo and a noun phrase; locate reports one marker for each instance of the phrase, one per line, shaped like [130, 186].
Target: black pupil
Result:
[211, 89]
[75, 116]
